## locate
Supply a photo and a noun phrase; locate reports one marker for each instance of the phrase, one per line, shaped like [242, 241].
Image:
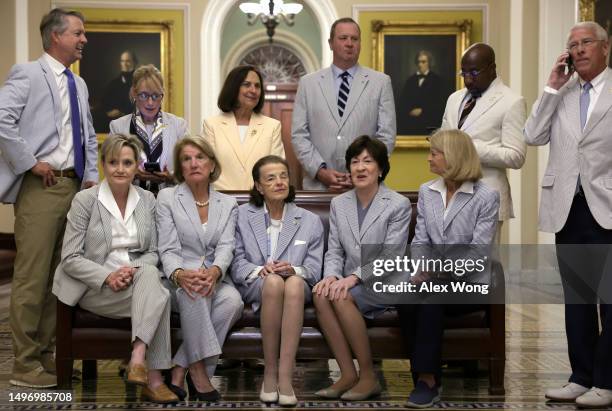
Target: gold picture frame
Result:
[587, 10]
[395, 49]
[151, 42]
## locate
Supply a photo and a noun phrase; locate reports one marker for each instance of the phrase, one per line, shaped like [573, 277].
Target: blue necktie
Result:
[343, 93]
[585, 100]
[75, 121]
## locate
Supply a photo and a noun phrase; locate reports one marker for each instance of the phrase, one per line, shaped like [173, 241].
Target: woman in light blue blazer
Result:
[456, 208]
[279, 253]
[196, 246]
[109, 263]
[371, 213]
[157, 130]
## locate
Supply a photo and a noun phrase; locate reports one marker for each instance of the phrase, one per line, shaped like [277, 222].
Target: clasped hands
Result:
[335, 289]
[121, 279]
[201, 281]
[282, 268]
[335, 180]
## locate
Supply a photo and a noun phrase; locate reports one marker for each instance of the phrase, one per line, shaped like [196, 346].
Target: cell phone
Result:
[152, 166]
[569, 63]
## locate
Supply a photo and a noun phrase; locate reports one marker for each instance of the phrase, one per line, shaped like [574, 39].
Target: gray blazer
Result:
[319, 135]
[87, 243]
[30, 124]
[176, 128]
[472, 218]
[386, 222]
[300, 242]
[555, 119]
[182, 242]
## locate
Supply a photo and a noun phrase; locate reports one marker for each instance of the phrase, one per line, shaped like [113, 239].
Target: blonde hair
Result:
[462, 161]
[202, 145]
[148, 74]
[115, 142]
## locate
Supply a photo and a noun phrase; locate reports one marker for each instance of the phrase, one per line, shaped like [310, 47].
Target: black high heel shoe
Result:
[178, 391]
[195, 395]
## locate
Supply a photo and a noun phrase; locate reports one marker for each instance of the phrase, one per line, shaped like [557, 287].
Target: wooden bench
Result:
[477, 335]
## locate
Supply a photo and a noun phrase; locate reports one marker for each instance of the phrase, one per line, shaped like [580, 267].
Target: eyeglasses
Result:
[584, 43]
[145, 96]
[473, 73]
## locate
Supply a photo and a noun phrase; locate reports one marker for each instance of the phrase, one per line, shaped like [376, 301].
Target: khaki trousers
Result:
[40, 219]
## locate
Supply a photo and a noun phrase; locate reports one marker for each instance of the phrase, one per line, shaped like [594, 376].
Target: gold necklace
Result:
[202, 204]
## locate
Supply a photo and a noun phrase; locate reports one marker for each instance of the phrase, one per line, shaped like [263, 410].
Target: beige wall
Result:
[406, 162]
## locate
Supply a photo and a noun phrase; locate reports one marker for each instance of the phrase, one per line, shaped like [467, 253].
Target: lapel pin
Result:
[253, 132]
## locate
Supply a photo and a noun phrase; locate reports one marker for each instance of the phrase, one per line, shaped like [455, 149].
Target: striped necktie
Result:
[343, 93]
[467, 109]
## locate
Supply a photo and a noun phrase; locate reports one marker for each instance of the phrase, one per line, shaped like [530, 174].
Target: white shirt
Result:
[124, 230]
[63, 155]
[242, 130]
[440, 187]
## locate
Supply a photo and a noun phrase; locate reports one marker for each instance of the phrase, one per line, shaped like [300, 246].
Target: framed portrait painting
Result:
[422, 59]
[113, 51]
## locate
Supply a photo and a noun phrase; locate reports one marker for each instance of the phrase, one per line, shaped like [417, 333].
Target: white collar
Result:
[439, 186]
[338, 71]
[266, 211]
[597, 82]
[105, 196]
[57, 67]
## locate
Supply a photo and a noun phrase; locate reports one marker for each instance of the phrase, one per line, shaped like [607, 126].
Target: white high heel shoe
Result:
[268, 397]
[287, 400]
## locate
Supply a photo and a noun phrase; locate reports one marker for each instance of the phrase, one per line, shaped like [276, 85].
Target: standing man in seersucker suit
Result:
[337, 104]
[49, 151]
[574, 116]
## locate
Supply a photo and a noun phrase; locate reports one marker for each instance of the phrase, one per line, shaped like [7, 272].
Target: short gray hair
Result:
[600, 32]
[55, 22]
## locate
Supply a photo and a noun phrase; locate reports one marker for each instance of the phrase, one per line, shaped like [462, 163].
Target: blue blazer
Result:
[386, 222]
[300, 242]
[182, 242]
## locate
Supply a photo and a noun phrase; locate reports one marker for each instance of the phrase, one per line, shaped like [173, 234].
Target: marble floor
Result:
[536, 360]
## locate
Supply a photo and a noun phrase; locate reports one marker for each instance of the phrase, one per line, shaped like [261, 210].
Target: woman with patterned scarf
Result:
[157, 130]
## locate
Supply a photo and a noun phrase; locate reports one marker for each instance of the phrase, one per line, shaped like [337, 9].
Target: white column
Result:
[21, 32]
[556, 18]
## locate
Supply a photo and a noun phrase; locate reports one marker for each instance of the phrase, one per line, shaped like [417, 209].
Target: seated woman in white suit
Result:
[157, 130]
[196, 245]
[241, 135]
[370, 213]
[278, 258]
[109, 263]
[456, 208]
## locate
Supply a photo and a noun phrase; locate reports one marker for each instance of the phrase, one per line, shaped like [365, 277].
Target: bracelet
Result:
[174, 277]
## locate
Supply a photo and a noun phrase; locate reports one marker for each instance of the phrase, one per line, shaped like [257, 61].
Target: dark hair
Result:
[228, 97]
[55, 22]
[332, 31]
[375, 148]
[132, 55]
[255, 197]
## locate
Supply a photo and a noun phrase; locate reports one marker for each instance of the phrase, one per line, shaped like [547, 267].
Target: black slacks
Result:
[583, 253]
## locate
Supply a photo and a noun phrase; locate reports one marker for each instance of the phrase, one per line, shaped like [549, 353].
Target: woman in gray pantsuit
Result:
[109, 261]
[196, 226]
[371, 213]
[279, 253]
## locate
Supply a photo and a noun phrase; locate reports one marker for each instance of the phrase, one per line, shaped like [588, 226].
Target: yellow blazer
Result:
[237, 159]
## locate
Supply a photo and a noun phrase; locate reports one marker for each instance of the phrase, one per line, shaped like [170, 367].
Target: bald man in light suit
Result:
[49, 151]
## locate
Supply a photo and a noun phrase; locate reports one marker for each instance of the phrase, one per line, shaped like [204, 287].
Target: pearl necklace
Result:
[200, 204]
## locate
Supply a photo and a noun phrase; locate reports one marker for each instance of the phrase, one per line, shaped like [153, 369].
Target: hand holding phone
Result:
[569, 64]
[152, 167]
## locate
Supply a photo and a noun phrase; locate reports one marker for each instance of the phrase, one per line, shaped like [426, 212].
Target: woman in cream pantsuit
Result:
[109, 260]
[196, 248]
[241, 135]
[371, 213]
